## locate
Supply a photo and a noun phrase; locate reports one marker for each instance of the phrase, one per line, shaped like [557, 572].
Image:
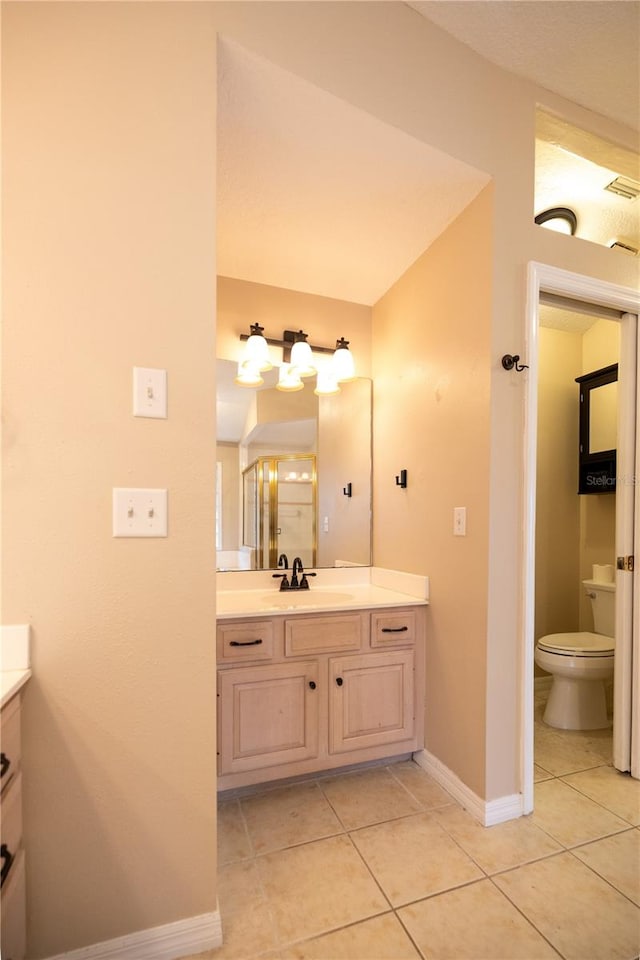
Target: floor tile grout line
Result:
[593, 800]
[528, 919]
[606, 880]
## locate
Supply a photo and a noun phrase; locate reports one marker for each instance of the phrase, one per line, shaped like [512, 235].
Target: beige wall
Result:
[229, 456]
[431, 417]
[108, 126]
[557, 501]
[108, 242]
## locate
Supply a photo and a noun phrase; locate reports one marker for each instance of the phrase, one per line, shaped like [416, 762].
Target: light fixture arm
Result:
[289, 337]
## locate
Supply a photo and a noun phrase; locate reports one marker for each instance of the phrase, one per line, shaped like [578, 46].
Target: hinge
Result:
[625, 563]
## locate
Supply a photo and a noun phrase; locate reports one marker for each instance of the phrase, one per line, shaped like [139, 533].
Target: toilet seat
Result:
[581, 644]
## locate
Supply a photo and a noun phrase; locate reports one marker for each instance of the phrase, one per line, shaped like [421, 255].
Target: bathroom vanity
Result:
[319, 681]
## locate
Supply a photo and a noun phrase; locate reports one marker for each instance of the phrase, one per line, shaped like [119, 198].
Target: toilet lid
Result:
[578, 644]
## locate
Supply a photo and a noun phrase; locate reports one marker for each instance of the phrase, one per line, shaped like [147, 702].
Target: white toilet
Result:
[580, 664]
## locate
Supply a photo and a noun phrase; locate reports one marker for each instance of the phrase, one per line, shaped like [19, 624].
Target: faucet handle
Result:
[284, 580]
[304, 583]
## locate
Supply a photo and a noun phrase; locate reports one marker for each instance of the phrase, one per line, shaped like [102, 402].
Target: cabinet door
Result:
[371, 700]
[268, 715]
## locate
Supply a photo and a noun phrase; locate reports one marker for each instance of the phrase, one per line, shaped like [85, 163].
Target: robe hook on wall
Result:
[347, 490]
[401, 480]
[509, 361]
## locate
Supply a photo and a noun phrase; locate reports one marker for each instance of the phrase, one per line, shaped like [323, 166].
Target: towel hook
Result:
[509, 361]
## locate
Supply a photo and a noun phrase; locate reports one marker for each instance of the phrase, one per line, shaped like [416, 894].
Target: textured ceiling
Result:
[565, 180]
[315, 195]
[585, 50]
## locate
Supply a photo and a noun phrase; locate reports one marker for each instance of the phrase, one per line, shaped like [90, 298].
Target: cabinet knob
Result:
[339, 681]
[312, 684]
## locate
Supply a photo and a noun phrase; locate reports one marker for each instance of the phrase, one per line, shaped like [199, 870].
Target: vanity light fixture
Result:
[288, 380]
[302, 357]
[248, 374]
[560, 219]
[256, 350]
[298, 361]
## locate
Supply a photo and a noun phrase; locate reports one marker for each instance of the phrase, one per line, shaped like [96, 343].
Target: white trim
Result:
[168, 942]
[540, 276]
[486, 812]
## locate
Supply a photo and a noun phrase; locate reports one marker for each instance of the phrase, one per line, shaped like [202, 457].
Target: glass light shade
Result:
[326, 384]
[302, 359]
[343, 365]
[257, 351]
[248, 374]
[289, 380]
[559, 226]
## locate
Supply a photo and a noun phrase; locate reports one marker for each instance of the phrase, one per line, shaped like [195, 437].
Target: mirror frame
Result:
[596, 471]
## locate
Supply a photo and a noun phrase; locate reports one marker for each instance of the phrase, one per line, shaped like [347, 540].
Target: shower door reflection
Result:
[280, 510]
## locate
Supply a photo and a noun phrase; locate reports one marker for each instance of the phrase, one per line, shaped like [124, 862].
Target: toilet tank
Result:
[603, 605]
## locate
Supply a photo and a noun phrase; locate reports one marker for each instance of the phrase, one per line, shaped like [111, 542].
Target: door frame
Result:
[545, 278]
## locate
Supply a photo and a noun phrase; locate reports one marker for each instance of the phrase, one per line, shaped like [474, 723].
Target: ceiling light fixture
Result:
[560, 219]
[298, 362]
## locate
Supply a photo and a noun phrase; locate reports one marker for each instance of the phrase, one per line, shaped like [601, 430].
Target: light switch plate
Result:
[139, 512]
[459, 521]
[149, 393]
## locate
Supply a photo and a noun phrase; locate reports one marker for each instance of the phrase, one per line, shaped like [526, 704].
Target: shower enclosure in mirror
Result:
[279, 510]
[287, 464]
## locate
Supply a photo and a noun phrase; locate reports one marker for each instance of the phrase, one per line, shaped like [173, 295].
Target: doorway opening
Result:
[609, 302]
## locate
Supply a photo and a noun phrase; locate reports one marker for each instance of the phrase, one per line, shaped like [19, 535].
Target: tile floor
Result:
[384, 865]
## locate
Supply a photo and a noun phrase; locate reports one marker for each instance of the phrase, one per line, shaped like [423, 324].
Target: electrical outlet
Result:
[149, 393]
[459, 521]
[139, 512]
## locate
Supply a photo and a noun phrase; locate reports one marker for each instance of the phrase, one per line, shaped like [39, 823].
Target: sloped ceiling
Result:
[317, 196]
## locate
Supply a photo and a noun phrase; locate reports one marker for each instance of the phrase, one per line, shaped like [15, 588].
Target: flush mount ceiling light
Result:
[298, 361]
[560, 219]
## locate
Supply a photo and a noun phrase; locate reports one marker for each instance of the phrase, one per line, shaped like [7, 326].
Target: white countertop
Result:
[10, 682]
[253, 594]
[14, 660]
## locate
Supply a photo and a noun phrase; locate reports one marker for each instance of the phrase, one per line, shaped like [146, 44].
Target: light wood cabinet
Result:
[12, 892]
[270, 714]
[339, 688]
[372, 700]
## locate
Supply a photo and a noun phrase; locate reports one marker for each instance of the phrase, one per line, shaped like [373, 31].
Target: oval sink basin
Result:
[306, 598]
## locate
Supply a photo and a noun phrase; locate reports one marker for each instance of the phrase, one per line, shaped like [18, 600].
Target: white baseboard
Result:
[487, 812]
[168, 942]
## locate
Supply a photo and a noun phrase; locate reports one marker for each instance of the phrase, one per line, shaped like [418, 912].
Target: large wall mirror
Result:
[293, 474]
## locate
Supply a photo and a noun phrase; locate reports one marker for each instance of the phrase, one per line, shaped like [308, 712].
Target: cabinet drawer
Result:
[252, 640]
[11, 826]
[10, 740]
[393, 629]
[322, 635]
[13, 926]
